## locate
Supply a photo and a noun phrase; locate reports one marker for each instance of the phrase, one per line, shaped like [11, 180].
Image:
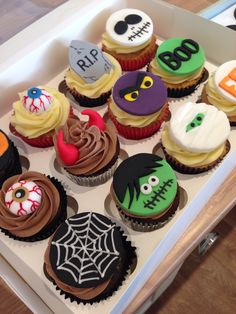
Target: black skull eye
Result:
[120, 28]
[133, 19]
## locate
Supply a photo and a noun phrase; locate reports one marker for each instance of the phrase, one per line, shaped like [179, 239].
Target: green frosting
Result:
[194, 60]
[197, 121]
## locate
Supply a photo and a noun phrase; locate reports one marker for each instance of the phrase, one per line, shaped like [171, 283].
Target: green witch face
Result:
[145, 185]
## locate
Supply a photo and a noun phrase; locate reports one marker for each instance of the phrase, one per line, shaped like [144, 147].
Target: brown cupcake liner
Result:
[176, 165]
[48, 230]
[130, 255]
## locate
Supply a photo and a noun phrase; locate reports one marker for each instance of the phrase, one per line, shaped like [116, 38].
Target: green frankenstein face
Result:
[150, 188]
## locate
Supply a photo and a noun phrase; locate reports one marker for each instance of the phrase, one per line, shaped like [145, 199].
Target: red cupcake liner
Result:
[135, 133]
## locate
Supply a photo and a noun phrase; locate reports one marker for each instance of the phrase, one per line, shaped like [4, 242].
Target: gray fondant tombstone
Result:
[88, 61]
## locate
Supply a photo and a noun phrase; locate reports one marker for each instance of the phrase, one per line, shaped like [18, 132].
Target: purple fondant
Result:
[150, 100]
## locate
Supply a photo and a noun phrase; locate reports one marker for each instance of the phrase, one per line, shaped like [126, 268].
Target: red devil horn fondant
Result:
[94, 118]
[68, 153]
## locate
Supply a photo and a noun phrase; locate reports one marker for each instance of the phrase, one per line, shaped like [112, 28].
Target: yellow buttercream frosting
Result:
[33, 125]
[96, 89]
[118, 48]
[127, 119]
[155, 68]
[186, 157]
[218, 100]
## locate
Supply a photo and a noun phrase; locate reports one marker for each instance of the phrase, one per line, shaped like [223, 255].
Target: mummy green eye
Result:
[197, 121]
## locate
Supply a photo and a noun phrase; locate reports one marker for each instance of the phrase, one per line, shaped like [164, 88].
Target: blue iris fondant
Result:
[34, 92]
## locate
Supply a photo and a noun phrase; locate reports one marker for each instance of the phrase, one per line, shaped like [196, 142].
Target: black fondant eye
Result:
[199, 118]
[133, 19]
[120, 28]
[147, 82]
[131, 96]
[192, 124]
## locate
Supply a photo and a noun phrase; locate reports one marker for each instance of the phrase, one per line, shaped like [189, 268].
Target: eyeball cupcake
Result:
[9, 159]
[129, 38]
[88, 151]
[88, 257]
[32, 206]
[37, 114]
[145, 191]
[220, 90]
[195, 139]
[91, 75]
[139, 105]
[179, 62]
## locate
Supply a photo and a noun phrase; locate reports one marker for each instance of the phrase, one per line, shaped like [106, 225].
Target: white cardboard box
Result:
[37, 56]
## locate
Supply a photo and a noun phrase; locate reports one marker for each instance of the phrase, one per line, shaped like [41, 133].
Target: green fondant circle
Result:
[187, 67]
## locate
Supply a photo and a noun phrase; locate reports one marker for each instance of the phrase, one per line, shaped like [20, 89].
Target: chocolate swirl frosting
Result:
[29, 225]
[97, 148]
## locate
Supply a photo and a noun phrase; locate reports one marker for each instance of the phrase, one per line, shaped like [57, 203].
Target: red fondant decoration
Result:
[94, 119]
[69, 153]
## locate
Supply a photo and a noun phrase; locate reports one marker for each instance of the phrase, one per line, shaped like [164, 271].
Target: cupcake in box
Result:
[139, 105]
[91, 75]
[129, 38]
[145, 191]
[32, 206]
[9, 158]
[87, 150]
[220, 90]
[179, 62]
[88, 257]
[195, 139]
[36, 115]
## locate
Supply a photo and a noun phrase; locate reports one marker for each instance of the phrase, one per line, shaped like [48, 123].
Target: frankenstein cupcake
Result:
[145, 191]
[37, 114]
[179, 62]
[129, 38]
[88, 151]
[91, 75]
[220, 90]
[139, 105]
[88, 257]
[32, 206]
[195, 139]
[9, 158]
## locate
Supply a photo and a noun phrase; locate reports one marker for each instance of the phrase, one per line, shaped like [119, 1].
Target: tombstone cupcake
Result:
[129, 38]
[91, 75]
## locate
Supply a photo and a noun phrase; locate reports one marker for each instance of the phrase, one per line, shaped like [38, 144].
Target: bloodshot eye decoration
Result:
[23, 198]
[37, 100]
[129, 27]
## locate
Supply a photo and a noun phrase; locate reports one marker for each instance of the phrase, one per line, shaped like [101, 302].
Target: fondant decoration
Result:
[139, 93]
[180, 56]
[210, 133]
[197, 121]
[94, 119]
[129, 27]
[68, 153]
[23, 198]
[86, 250]
[225, 80]
[88, 61]
[37, 100]
[4, 143]
[144, 185]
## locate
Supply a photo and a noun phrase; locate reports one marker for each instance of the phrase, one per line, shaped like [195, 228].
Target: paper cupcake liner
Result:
[135, 133]
[93, 180]
[146, 226]
[48, 230]
[176, 165]
[121, 275]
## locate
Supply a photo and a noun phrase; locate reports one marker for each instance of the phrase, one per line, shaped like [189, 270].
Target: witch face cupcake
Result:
[220, 90]
[91, 75]
[88, 151]
[31, 206]
[138, 105]
[145, 190]
[37, 114]
[9, 159]
[129, 38]
[179, 62]
[195, 139]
